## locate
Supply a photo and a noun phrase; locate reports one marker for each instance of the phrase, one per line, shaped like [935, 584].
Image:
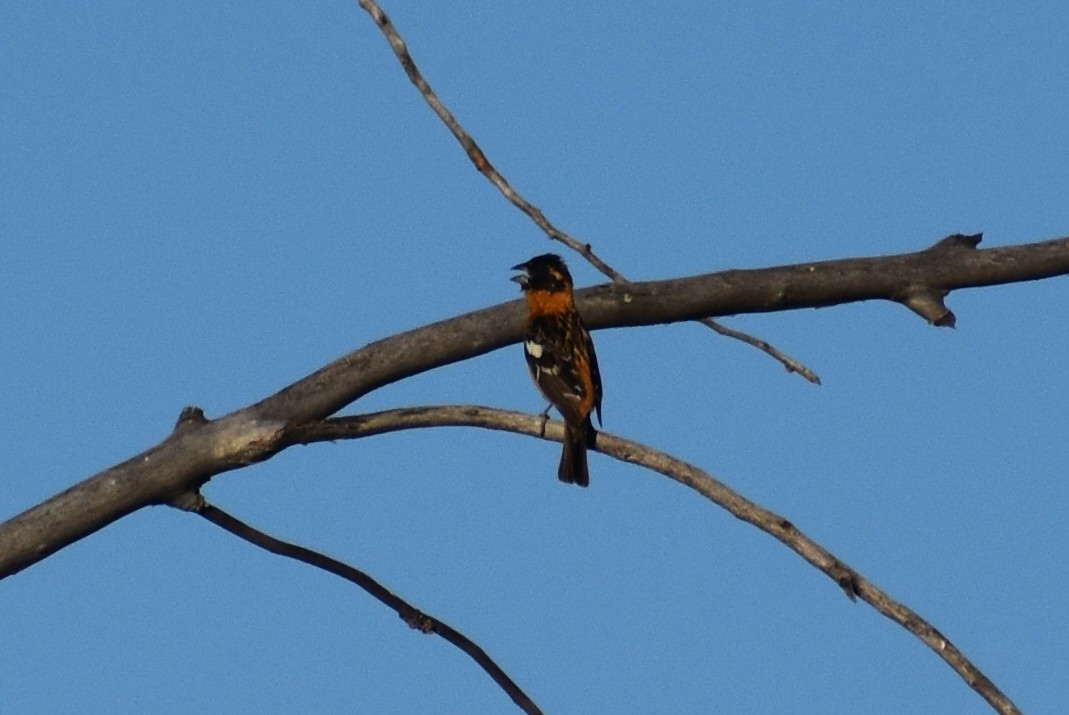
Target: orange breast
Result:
[543, 302]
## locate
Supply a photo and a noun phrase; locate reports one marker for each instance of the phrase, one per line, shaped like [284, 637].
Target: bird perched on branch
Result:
[561, 358]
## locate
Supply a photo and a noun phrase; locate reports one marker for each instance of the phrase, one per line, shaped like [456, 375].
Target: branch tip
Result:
[947, 321]
[789, 363]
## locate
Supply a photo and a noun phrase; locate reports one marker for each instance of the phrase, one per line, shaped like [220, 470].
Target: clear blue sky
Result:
[201, 205]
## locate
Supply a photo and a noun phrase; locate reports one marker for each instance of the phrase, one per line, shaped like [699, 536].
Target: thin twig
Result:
[847, 578]
[412, 616]
[788, 362]
[479, 160]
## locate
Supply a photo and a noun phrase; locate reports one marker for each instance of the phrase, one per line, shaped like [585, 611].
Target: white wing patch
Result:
[533, 349]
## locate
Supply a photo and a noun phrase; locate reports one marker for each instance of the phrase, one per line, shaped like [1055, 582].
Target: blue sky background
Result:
[201, 205]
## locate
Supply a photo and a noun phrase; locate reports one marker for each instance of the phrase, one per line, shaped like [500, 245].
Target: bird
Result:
[561, 359]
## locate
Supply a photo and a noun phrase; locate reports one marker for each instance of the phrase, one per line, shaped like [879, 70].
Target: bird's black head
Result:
[546, 272]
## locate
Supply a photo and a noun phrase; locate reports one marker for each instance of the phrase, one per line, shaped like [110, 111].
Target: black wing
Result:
[550, 348]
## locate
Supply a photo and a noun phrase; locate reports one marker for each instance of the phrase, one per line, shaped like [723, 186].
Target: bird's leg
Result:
[544, 414]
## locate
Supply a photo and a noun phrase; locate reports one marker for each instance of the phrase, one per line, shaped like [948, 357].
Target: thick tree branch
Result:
[805, 285]
[198, 449]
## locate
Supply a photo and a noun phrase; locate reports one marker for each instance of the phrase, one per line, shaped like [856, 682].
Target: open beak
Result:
[523, 277]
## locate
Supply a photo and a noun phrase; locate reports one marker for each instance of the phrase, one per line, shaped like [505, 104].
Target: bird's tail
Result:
[573, 469]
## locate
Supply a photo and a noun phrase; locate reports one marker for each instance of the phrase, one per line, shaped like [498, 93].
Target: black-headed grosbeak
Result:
[561, 358]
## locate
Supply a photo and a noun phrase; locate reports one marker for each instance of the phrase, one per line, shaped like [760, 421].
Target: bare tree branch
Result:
[475, 154]
[415, 618]
[847, 578]
[479, 160]
[787, 361]
[199, 449]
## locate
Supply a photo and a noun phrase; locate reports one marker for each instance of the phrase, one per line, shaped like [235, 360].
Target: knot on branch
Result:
[847, 580]
[190, 500]
[418, 620]
[191, 416]
[928, 303]
[957, 241]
